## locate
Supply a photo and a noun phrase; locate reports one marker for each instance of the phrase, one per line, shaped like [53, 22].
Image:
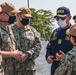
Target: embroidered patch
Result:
[54, 38]
[54, 34]
[59, 41]
[67, 37]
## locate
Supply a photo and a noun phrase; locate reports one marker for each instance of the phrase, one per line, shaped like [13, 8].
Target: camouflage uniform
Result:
[1, 68]
[7, 43]
[27, 41]
[68, 65]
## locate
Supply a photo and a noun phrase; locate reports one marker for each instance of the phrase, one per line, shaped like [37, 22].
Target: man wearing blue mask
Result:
[59, 42]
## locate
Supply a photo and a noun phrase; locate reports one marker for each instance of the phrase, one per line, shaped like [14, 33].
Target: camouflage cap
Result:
[26, 11]
[72, 30]
[74, 16]
[8, 7]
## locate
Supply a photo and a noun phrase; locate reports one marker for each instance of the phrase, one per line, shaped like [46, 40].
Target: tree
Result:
[43, 22]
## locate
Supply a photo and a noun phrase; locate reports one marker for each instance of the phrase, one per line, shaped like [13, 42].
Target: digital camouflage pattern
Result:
[68, 64]
[7, 44]
[1, 70]
[27, 41]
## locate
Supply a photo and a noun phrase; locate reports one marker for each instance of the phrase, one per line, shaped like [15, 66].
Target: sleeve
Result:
[48, 48]
[0, 39]
[36, 48]
[65, 67]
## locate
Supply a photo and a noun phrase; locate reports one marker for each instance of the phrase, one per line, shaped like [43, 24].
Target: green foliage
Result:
[43, 22]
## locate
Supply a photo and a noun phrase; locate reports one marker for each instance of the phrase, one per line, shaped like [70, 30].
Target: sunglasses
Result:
[62, 18]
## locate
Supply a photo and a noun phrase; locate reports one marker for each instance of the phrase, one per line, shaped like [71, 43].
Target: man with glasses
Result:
[59, 42]
[7, 42]
[27, 41]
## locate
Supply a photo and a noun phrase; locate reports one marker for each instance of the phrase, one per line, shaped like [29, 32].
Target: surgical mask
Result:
[62, 23]
[11, 19]
[25, 21]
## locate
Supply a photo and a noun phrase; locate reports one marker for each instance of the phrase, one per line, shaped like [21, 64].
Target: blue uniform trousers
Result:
[54, 66]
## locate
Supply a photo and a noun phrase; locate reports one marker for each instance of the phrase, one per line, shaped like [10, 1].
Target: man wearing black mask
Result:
[23, 17]
[27, 41]
[7, 45]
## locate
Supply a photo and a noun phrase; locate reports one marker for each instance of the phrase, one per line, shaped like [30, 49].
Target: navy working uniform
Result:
[58, 41]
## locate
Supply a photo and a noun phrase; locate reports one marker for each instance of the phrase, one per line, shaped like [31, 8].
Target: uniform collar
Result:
[2, 26]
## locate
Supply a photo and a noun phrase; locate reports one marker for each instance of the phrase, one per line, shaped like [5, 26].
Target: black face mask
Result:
[25, 21]
[11, 19]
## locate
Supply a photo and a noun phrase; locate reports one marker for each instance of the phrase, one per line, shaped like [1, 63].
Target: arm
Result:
[59, 56]
[49, 56]
[48, 50]
[8, 54]
[65, 68]
[33, 53]
[36, 48]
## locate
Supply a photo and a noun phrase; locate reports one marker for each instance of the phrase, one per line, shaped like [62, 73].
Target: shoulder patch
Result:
[54, 34]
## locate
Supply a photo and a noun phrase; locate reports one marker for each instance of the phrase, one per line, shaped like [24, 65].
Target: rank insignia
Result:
[59, 41]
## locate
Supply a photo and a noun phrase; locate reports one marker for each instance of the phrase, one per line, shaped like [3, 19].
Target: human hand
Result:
[23, 57]
[50, 59]
[17, 54]
[59, 56]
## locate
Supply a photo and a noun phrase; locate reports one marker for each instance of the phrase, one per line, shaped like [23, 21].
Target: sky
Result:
[51, 5]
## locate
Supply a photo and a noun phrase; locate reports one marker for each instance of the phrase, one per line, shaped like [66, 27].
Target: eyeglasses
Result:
[62, 18]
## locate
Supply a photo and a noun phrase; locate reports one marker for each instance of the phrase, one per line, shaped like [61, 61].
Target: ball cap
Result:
[62, 12]
[72, 30]
[74, 16]
[8, 7]
[26, 11]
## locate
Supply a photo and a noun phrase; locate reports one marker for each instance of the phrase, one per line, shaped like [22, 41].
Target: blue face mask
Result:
[25, 21]
[11, 19]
